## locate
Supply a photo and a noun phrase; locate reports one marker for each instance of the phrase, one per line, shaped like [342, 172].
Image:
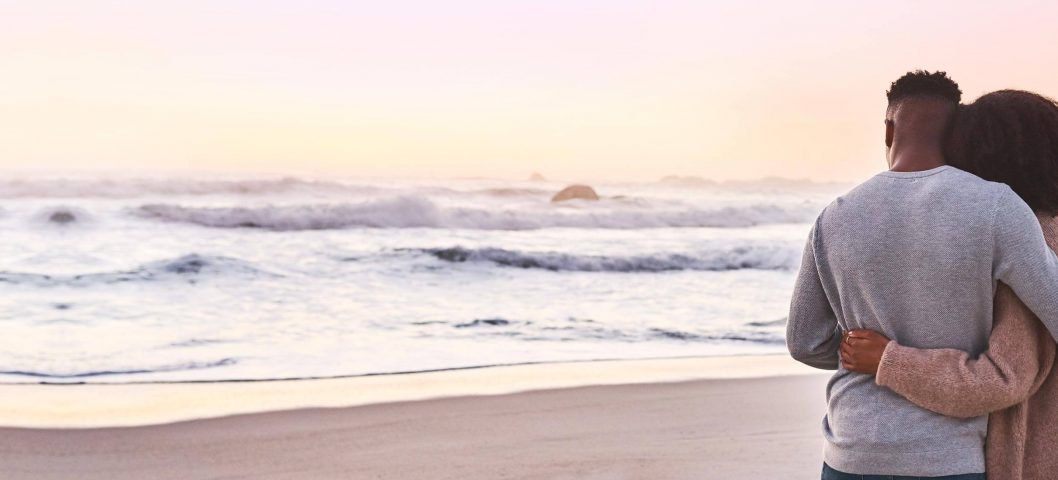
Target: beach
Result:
[722, 417]
[254, 326]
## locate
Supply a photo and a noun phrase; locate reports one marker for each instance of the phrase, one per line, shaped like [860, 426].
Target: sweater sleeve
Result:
[951, 382]
[812, 332]
[1023, 260]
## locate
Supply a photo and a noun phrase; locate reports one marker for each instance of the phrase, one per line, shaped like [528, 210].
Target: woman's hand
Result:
[861, 350]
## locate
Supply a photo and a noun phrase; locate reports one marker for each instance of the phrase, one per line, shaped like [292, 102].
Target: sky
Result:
[579, 89]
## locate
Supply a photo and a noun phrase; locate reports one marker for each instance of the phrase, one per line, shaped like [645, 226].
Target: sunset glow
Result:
[572, 89]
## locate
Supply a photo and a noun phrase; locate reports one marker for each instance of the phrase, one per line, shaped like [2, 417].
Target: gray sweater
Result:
[916, 256]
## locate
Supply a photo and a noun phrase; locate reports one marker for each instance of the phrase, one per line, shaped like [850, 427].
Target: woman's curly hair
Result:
[1010, 136]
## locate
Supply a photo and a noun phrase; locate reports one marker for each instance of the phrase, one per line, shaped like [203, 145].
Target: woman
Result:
[1011, 137]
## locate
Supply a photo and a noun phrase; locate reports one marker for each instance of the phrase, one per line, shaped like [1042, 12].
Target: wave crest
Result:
[419, 212]
[760, 257]
[188, 267]
[574, 329]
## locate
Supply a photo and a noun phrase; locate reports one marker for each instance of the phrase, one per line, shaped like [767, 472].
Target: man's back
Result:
[909, 254]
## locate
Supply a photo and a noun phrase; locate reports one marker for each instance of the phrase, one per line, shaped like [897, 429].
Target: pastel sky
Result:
[586, 89]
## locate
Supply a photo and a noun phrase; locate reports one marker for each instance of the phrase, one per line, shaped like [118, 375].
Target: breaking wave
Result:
[581, 329]
[418, 212]
[762, 257]
[189, 268]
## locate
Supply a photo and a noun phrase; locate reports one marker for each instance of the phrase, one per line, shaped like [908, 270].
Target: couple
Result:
[900, 292]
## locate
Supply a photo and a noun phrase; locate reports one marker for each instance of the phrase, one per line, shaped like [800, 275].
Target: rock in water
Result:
[537, 177]
[62, 217]
[571, 192]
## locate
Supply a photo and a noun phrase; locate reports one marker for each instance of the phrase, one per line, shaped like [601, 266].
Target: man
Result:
[913, 253]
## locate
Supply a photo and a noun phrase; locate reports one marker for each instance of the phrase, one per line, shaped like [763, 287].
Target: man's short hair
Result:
[921, 83]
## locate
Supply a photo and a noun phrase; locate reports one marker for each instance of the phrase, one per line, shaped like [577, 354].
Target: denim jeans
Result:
[831, 474]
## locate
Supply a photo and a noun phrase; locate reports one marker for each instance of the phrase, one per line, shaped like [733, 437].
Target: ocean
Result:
[237, 278]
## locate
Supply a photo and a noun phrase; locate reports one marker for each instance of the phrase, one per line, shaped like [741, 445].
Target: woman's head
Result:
[1010, 136]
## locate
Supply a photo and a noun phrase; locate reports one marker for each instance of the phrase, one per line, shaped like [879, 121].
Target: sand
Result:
[719, 427]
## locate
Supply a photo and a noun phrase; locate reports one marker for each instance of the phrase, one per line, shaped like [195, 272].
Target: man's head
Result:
[921, 105]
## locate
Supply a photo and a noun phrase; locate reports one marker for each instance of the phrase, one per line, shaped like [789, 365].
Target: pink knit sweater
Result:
[1015, 381]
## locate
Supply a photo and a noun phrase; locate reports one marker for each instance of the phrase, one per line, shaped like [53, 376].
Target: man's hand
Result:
[861, 350]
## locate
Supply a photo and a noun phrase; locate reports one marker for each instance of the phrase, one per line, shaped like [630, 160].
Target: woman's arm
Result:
[951, 382]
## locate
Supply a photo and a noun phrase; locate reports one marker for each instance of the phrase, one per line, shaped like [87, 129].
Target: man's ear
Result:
[889, 133]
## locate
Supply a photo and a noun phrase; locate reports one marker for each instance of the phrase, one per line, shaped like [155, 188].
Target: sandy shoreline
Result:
[748, 417]
[102, 405]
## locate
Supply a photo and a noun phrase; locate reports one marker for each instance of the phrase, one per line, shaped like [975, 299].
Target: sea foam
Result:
[418, 212]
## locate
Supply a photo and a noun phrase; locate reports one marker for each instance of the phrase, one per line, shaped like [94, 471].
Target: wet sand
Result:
[717, 427]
